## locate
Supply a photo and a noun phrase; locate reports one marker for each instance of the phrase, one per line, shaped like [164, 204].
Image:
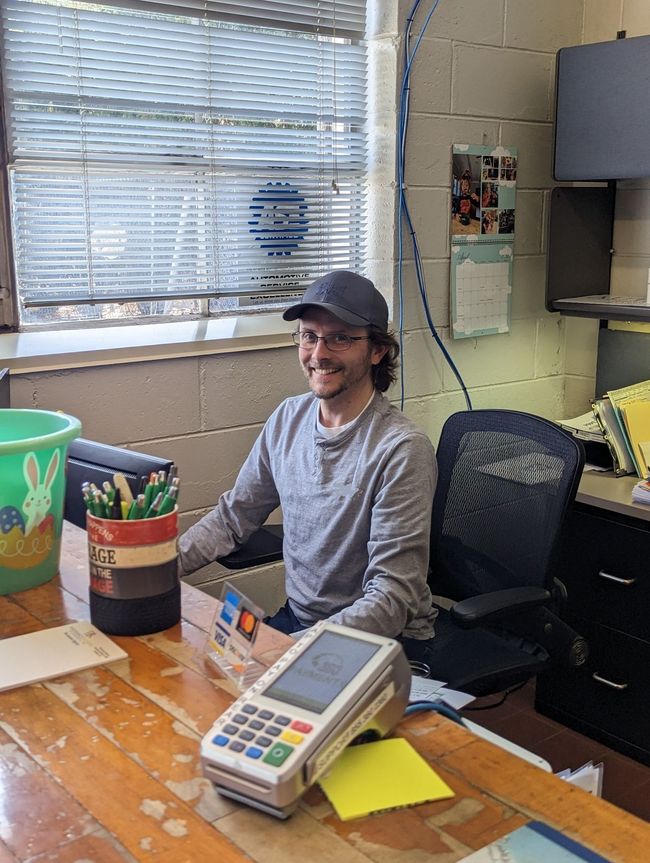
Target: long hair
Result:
[385, 372]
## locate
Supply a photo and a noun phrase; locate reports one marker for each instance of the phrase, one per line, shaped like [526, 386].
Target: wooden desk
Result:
[103, 765]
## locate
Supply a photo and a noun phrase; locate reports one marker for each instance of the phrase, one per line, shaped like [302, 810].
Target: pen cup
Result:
[134, 585]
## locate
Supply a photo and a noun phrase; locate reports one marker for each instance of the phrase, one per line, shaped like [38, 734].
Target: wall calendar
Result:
[482, 228]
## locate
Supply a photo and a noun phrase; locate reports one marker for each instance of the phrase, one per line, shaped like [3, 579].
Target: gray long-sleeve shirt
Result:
[356, 513]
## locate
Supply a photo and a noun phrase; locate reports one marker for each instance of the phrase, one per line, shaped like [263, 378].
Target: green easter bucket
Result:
[33, 452]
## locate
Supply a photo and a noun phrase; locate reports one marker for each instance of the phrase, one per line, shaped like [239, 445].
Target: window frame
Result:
[377, 255]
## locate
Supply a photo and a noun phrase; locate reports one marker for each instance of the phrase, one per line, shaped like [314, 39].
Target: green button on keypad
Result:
[278, 754]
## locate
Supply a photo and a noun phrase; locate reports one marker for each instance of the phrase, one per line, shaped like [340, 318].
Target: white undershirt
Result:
[327, 432]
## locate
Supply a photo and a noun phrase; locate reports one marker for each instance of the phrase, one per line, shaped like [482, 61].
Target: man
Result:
[355, 478]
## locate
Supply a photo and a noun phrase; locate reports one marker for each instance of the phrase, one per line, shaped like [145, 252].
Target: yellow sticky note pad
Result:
[382, 775]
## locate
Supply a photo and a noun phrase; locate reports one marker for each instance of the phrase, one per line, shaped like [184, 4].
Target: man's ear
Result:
[377, 353]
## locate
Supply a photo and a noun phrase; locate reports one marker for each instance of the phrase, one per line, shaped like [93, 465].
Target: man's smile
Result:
[325, 371]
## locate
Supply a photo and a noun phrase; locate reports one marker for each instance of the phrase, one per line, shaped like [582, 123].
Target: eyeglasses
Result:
[334, 341]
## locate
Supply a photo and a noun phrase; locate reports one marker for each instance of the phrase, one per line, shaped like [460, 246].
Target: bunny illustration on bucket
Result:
[33, 453]
[38, 500]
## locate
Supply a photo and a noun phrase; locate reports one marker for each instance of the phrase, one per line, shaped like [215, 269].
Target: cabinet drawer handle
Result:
[609, 682]
[625, 581]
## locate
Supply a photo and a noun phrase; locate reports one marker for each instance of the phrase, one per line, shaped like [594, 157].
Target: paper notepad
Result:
[52, 652]
[382, 775]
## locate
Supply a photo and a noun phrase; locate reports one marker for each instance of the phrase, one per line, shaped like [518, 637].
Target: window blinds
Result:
[159, 151]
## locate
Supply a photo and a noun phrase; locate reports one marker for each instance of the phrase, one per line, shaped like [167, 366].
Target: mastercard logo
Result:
[246, 624]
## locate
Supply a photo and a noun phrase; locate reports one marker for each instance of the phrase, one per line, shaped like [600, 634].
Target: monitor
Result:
[4, 389]
[602, 110]
[97, 462]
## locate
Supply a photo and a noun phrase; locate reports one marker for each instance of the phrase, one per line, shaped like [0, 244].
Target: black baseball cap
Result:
[348, 296]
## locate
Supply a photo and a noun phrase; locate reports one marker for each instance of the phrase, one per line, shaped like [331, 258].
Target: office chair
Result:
[505, 483]
[97, 462]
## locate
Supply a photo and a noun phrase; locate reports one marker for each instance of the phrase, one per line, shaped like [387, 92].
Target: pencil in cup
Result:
[158, 496]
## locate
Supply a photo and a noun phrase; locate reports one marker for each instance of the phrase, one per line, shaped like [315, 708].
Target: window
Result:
[181, 159]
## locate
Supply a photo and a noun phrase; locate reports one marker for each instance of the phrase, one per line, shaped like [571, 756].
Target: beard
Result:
[345, 378]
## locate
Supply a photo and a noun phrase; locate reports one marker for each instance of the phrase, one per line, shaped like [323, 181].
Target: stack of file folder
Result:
[620, 421]
[641, 492]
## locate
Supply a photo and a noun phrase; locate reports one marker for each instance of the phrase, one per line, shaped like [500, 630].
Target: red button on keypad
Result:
[304, 727]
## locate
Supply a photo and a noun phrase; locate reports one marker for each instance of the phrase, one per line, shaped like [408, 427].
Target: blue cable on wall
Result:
[404, 215]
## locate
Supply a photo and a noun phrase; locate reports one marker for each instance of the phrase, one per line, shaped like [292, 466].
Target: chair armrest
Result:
[497, 605]
[264, 546]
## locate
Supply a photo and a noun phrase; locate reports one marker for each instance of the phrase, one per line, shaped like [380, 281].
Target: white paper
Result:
[424, 689]
[641, 492]
[585, 426]
[454, 698]
[52, 652]
[589, 777]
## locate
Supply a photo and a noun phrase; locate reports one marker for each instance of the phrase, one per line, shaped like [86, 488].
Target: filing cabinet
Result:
[605, 567]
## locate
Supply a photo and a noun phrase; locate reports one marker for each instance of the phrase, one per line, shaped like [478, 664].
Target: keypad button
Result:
[237, 746]
[254, 752]
[230, 729]
[291, 737]
[240, 719]
[221, 740]
[303, 727]
[282, 720]
[265, 714]
[263, 741]
[249, 708]
[256, 725]
[278, 754]
[246, 735]
[273, 730]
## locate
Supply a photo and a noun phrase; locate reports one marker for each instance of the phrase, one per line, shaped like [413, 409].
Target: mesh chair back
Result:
[505, 482]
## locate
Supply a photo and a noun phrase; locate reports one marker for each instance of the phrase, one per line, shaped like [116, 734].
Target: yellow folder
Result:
[637, 422]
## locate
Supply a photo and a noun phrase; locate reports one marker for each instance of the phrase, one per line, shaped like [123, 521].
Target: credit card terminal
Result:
[334, 685]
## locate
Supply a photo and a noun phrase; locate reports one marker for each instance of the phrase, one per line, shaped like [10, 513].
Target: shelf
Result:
[604, 306]
[579, 257]
[579, 252]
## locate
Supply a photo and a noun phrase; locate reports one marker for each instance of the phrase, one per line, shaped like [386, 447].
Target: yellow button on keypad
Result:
[291, 737]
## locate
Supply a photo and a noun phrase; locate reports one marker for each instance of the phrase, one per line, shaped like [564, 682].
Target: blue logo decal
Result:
[280, 219]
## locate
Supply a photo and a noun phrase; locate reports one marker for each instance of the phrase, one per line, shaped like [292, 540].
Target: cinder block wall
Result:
[484, 74]
[202, 412]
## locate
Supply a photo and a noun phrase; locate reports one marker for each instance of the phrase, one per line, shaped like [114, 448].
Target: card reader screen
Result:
[319, 674]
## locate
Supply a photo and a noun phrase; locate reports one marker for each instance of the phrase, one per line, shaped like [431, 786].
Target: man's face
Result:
[331, 373]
